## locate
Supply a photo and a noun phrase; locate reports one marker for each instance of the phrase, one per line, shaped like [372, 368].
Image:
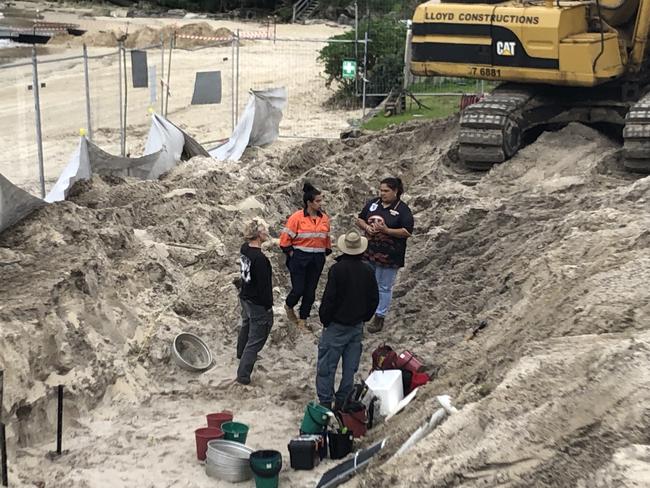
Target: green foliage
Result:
[437, 107]
[385, 58]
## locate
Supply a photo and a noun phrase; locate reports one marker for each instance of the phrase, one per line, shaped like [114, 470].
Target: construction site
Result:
[524, 294]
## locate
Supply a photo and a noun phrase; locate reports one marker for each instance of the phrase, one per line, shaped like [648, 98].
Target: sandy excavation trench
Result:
[550, 248]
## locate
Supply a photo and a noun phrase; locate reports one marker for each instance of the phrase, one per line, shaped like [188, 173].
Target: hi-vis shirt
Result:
[306, 233]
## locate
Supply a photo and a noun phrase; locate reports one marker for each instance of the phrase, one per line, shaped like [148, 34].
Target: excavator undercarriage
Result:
[557, 61]
[495, 128]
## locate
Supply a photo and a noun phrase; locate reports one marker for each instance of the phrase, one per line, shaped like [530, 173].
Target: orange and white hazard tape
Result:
[245, 35]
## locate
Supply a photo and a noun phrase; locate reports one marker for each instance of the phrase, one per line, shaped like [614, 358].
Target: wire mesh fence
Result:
[94, 89]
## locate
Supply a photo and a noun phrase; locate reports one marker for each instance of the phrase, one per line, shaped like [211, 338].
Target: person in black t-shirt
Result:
[255, 297]
[388, 223]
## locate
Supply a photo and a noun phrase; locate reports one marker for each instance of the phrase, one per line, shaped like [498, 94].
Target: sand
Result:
[551, 248]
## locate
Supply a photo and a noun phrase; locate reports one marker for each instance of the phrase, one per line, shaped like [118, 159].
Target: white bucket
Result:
[387, 386]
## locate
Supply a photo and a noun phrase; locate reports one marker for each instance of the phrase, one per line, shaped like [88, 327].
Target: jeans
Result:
[338, 341]
[305, 269]
[385, 279]
[256, 323]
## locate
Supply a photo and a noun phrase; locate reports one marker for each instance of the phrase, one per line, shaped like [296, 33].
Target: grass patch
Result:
[439, 108]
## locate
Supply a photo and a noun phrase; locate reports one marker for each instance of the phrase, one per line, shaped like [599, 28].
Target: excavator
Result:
[556, 61]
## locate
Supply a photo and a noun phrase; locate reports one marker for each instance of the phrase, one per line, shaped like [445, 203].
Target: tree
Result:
[385, 60]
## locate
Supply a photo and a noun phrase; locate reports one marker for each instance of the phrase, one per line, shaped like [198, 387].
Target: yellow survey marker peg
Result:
[150, 110]
[82, 132]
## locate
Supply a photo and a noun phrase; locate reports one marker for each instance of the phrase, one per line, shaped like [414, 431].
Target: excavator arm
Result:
[640, 36]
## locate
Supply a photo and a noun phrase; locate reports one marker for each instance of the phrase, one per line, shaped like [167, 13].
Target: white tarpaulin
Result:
[78, 168]
[259, 124]
[15, 203]
[166, 145]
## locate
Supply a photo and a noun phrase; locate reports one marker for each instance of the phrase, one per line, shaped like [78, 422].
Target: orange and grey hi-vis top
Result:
[306, 233]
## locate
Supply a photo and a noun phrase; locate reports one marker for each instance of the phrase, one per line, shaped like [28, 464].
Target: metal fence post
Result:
[3, 455]
[365, 80]
[119, 82]
[89, 122]
[169, 70]
[356, 45]
[2, 387]
[126, 102]
[232, 84]
[237, 86]
[407, 56]
[37, 107]
[162, 72]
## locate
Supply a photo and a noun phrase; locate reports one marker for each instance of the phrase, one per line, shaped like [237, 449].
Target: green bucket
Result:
[235, 431]
[266, 466]
[315, 419]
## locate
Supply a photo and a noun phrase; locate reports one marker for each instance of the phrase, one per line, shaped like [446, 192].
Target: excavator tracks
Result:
[636, 135]
[491, 130]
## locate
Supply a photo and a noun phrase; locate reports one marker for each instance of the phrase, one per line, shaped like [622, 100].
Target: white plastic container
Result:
[387, 386]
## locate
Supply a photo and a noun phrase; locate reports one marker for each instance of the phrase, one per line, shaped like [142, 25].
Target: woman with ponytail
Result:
[305, 239]
[388, 223]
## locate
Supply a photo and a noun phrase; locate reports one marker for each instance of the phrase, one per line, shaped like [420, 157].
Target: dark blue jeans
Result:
[338, 341]
[305, 269]
[256, 323]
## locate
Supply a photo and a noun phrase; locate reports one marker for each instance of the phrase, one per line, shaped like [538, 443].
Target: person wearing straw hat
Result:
[351, 297]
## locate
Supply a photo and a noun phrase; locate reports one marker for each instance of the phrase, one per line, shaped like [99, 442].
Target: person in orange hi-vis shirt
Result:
[305, 239]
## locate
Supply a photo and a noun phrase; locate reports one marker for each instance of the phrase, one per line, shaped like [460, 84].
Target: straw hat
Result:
[352, 243]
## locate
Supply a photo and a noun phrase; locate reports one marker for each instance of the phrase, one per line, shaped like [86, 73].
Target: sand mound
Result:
[551, 248]
[99, 39]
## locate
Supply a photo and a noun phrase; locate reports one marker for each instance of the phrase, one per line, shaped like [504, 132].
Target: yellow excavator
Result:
[559, 61]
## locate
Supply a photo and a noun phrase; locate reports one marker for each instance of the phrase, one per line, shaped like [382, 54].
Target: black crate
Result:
[304, 453]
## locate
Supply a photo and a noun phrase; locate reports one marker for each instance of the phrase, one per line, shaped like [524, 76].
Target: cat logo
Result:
[505, 48]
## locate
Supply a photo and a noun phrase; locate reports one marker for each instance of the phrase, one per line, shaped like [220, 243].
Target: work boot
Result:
[291, 314]
[303, 325]
[376, 325]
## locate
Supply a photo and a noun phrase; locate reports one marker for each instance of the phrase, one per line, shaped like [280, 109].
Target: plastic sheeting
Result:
[15, 203]
[166, 145]
[259, 124]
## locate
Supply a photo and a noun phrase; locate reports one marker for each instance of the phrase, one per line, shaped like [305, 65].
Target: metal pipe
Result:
[3, 454]
[89, 122]
[59, 420]
[37, 108]
[119, 82]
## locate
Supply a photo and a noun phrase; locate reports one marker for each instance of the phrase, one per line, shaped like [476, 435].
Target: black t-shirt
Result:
[255, 270]
[383, 249]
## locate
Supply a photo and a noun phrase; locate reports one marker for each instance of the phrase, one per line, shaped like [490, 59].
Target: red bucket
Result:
[409, 362]
[203, 436]
[216, 419]
[417, 380]
[356, 422]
